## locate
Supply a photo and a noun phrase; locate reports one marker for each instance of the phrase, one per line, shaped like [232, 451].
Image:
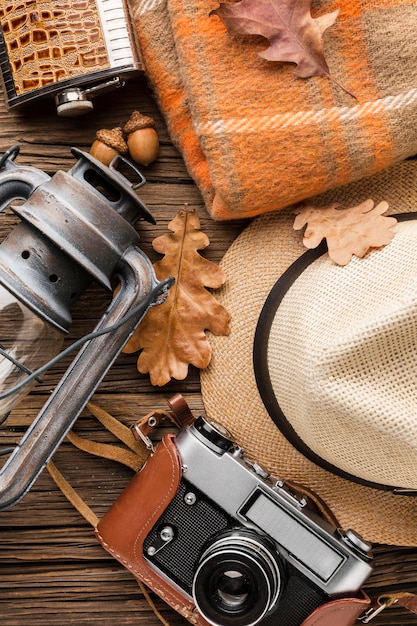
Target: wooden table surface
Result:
[52, 570]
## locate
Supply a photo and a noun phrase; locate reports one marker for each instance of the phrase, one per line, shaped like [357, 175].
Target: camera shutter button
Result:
[356, 541]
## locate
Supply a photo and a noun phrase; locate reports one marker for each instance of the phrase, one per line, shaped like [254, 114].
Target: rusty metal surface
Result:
[74, 229]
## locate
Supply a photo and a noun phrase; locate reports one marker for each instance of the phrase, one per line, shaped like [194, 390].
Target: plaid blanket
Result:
[256, 138]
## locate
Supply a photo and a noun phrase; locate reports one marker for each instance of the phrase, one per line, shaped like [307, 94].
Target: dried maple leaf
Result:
[348, 232]
[294, 35]
[172, 335]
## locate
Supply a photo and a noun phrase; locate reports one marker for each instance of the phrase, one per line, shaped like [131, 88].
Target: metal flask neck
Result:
[75, 227]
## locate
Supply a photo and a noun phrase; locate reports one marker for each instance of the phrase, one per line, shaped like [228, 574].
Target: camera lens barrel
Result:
[238, 579]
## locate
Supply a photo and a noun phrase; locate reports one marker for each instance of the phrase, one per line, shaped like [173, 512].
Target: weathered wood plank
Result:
[52, 570]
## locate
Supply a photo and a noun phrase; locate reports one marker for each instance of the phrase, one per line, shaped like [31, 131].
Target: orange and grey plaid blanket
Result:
[256, 138]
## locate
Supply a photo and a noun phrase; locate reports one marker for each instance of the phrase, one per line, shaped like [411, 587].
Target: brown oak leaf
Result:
[172, 335]
[294, 35]
[348, 231]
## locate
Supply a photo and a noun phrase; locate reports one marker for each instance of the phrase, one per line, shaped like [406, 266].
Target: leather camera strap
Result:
[137, 449]
[134, 456]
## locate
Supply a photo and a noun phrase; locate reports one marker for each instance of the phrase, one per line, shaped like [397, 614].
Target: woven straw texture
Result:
[254, 137]
[345, 338]
[253, 263]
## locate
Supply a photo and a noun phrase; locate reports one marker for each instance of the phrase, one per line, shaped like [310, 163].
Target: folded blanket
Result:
[256, 138]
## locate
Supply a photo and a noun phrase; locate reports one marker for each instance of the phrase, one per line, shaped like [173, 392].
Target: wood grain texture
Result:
[52, 570]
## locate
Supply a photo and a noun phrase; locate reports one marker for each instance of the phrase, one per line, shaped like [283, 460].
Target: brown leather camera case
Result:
[125, 526]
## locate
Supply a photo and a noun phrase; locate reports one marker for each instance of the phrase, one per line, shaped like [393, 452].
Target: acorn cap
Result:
[137, 121]
[113, 138]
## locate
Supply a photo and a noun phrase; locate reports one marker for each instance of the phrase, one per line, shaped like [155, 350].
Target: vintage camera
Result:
[242, 545]
[69, 49]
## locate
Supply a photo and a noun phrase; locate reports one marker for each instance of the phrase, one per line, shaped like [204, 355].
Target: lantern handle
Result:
[138, 285]
[10, 154]
[17, 182]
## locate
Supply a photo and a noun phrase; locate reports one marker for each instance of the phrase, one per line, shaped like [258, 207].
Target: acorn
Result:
[108, 144]
[142, 138]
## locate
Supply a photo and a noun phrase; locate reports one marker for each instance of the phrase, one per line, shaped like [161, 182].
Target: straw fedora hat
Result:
[318, 377]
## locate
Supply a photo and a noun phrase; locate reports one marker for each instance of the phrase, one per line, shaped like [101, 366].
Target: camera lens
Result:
[233, 588]
[238, 579]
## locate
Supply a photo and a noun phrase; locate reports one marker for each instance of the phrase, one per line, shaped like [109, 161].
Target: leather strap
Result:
[143, 427]
[124, 456]
[181, 410]
[119, 430]
[407, 600]
[71, 495]
[342, 612]
[107, 451]
[89, 515]
[314, 502]
[180, 415]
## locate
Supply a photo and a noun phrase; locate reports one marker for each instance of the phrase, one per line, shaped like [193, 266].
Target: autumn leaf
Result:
[294, 35]
[172, 335]
[348, 231]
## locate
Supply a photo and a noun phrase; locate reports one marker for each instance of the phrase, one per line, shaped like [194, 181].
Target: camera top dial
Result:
[213, 434]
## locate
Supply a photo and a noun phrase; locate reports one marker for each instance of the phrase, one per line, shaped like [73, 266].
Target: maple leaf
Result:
[172, 335]
[349, 231]
[294, 35]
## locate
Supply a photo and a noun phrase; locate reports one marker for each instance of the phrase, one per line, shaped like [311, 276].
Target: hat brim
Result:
[254, 262]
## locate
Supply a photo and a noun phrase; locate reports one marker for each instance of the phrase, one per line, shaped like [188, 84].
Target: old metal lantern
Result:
[75, 227]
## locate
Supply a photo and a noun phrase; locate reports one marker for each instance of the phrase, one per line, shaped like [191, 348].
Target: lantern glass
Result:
[27, 342]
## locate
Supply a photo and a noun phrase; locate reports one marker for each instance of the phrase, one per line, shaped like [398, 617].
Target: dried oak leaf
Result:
[172, 335]
[348, 231]
[294, 35]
